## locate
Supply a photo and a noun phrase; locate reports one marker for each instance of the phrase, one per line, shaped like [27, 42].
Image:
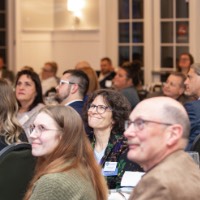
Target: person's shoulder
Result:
[192, 105]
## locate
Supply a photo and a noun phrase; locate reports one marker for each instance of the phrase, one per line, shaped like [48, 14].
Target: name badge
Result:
[110, 173]
[110, 166]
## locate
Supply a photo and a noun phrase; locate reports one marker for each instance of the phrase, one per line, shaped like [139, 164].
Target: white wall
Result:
[36, 44]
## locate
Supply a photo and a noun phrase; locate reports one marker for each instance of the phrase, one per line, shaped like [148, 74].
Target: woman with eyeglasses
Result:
[66, 168]
[28, 91]
[107, 111]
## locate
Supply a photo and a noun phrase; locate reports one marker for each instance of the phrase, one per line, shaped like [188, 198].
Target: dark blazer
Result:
[193, 110]
[177, 177]
[78, 106]
[116, 151]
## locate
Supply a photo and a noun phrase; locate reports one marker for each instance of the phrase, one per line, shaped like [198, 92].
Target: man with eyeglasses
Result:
[157, 133]
[173, 87]
[72, 89]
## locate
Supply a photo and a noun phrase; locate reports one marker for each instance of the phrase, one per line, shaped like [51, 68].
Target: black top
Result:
[3, 144]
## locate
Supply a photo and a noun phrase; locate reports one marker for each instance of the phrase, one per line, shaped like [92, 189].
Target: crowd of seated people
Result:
[103, 114]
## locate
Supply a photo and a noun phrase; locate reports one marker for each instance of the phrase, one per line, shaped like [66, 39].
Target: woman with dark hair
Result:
[28, 92]
[66, 168]
[184, 62]
[106, 113]
[10, 129]
[128, 80]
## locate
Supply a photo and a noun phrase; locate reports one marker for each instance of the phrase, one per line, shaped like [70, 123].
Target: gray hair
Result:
[177, 116]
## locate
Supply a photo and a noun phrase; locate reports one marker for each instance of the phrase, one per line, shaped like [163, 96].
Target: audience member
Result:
[26, 67]
[107, 73]
[193, 89]
[82, 64]
[4, 72]
[174, 87]
[106, 114]
[92, 75]
[93, 79]
[184, 62]
[157, 134]
[126, 80]
[28, 92]
[48, 77]
[10, 129]
[72, 89]
[66, 168]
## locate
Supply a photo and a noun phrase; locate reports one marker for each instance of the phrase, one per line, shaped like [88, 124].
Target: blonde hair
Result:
[10, 128]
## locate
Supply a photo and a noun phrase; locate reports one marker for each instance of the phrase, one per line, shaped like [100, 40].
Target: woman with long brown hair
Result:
[66, 168]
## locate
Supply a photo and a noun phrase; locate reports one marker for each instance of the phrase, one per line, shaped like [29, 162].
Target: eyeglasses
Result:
[99, 108]
[39, 129]
[65, 82]
[139, 124]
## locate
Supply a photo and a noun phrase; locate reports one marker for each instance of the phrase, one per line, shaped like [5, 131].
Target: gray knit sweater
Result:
[70, 185]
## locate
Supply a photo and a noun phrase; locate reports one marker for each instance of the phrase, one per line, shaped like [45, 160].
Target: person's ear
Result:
[74, 88]
[175, 133]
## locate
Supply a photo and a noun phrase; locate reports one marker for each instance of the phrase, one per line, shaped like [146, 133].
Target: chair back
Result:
[196, 144]
[16, 169]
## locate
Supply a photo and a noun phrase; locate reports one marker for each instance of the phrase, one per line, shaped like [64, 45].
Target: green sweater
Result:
[70, 185]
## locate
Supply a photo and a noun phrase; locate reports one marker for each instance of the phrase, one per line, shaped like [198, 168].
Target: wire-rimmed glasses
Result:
[40, 129]
[139, 123]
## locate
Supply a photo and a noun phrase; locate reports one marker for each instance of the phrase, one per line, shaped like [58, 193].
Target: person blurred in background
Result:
[192, 84]
[49, 80]
[92, 75]
[184, 62]
[174, 87]
[26, 67]
[66, 168]
[4, 72]
[105, 112]
[28, 91]
[10, 129]
[107, 73]
[127, 80]
[82, 64]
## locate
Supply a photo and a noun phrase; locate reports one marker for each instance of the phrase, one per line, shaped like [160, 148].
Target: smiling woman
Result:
[63, 171]
[107, 110]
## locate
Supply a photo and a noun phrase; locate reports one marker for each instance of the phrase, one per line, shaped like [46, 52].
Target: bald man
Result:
[157, 134]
